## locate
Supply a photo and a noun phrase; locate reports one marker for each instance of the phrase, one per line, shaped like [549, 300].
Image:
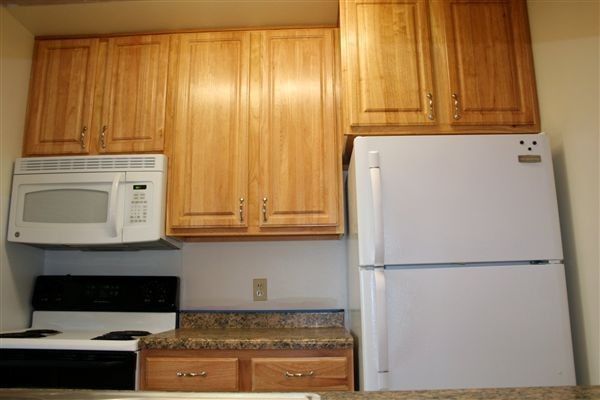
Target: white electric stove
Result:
[85, 331]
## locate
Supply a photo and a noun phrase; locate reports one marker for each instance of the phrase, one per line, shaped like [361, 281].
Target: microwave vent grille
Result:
[87, 164]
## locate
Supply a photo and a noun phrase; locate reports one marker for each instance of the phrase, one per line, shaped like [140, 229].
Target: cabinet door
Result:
[386, 54]
[490, 62]
[135, 92]
[60, 97]
[191, 374]
[300, 374]
[208, 182]
[298, 156]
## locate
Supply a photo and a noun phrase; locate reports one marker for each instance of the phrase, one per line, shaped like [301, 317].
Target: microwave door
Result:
[67, 209]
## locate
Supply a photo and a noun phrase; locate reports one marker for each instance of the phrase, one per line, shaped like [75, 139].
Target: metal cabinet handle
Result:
[431, 114]
[103, 137]
[264, 209]
[456, 106]
[289, 374]
[201, 374]
[241, 209]
[82, 137]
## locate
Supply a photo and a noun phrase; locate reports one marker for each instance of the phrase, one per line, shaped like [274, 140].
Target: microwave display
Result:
[139, 199]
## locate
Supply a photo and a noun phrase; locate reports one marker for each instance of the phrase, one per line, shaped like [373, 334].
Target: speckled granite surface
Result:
[559, 393]
[249, 339]
[249, 319]
[556, 393]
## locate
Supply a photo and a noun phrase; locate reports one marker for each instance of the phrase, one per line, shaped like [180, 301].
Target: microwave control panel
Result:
[139, 199]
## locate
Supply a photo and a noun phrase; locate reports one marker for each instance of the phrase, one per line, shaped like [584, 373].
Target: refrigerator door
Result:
[457, 199]
[476, 326]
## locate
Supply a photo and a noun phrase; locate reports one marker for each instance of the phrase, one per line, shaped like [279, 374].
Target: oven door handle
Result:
[53, 364]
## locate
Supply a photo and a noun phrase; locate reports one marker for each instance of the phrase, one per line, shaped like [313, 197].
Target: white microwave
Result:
[90, 202]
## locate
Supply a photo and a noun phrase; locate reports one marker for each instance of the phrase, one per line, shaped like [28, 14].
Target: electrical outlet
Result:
[259, 289]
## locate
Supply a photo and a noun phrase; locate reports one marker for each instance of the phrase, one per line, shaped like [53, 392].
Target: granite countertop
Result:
[556, 393]
[542, 393]
[254, 331]
[249, 339]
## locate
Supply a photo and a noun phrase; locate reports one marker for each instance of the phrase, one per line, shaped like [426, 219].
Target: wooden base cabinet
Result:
[256, 140]
[247, 370]
[91, 96]
[431, 66]
[194, 374]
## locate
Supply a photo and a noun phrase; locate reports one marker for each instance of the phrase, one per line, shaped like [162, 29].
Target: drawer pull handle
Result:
[289, 374]
[103, 137]
[430, 114]
[82, 137]
[241, 209]
[456, 102]
[201, 374]
[264, 209]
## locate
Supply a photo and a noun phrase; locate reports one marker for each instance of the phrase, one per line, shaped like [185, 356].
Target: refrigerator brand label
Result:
[530, 158]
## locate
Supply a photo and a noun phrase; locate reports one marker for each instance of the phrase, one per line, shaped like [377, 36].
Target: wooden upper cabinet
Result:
[298, 157]
[135, 93]
[209, 161]
[255, 148]
[92, 96]
[437, 66]
[387, 54]
[60, 97]
[489, 58]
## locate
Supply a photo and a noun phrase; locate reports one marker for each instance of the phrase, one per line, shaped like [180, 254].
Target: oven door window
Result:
[72, 206]
[67, 369]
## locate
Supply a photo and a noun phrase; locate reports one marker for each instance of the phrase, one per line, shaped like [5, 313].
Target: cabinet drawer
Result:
[191, 374]
[298, 374]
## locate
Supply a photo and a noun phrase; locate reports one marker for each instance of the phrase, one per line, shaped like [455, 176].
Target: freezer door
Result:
[456, 199]
[462, 327]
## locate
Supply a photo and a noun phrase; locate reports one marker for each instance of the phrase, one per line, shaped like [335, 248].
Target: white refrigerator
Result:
[456, 275]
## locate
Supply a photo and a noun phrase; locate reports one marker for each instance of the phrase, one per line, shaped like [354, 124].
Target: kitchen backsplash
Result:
[253, 319]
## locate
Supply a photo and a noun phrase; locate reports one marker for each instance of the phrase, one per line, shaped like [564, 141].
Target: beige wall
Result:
[566, 46]
[301, 274]
[18, 263]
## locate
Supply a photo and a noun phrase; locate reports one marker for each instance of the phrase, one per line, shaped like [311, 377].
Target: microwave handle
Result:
[112, 206]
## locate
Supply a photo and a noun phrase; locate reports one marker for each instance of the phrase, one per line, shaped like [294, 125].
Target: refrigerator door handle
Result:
[378, 297]
[380, 326]
[375, 175]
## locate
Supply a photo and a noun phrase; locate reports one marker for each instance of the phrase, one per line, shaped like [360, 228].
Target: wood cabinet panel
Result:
[135, 93]
[209, 170]
[60, 97]
[489, 60]
[389, 64]
[191, 374]
[255, 119]
[298, 157]
[429, 66]
[297, 374]
[246, 370]
[91, 96]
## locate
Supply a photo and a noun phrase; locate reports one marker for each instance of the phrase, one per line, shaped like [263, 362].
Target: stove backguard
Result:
[106, 293]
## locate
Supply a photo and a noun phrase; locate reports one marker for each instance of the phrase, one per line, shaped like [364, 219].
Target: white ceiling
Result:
[81, 17]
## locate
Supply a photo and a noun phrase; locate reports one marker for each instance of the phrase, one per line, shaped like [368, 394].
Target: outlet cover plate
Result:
[259, 289]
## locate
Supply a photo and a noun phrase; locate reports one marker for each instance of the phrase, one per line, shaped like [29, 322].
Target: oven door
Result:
[67, 209]
[68, 369]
